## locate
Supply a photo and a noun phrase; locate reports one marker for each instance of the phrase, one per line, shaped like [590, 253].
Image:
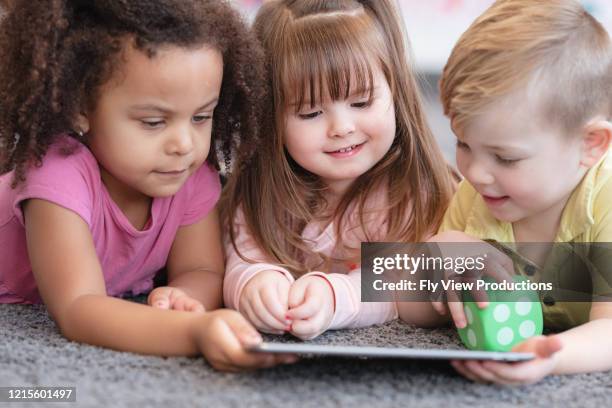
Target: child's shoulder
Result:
[601, 195]
[66, 159]
[67, 175]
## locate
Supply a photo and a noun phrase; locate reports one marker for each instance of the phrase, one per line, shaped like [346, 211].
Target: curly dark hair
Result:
[56, 54]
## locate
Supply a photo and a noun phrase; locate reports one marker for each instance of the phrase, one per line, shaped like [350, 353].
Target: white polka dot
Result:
[468, 314]
[523, 306]
[527, 329]
[501, 313]
[471, 336]
[505, 336]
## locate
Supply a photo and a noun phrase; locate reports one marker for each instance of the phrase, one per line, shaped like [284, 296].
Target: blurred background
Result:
[433, 27]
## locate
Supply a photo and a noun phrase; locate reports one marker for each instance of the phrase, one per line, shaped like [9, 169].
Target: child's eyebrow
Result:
[512, 149]
[157, 108]
[210, 103]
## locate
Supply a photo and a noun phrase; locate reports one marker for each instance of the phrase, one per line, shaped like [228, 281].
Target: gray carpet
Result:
[32, 352]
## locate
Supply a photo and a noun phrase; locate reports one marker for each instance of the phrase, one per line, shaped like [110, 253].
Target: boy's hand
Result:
[311, 306]
[497, 265]
[167, 297]
[529, 372]
[224, 337]
[264, 302]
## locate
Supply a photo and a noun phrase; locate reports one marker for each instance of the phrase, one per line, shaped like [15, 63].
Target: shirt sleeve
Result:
[602, 242]
[67, 180]
[350, 311]
[204, 192]
[238, 271]
[455, 218]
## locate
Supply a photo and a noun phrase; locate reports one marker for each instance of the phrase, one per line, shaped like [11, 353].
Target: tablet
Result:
[389, 352]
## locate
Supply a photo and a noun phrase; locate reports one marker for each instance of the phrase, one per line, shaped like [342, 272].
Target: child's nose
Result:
[181, 142]
[341, 125]
[479, 174]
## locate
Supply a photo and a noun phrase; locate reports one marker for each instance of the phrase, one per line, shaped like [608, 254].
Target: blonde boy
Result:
[528, 89]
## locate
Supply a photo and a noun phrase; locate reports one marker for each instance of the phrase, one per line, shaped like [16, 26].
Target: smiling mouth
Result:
[347, 149]
[495, 200]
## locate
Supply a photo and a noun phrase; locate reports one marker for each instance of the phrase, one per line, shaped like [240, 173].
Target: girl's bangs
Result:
[328, 56]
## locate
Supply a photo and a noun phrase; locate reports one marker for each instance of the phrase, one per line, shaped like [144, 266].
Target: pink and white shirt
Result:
[343, 275]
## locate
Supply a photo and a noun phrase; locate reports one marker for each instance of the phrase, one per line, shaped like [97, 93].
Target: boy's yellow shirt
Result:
[586, 218]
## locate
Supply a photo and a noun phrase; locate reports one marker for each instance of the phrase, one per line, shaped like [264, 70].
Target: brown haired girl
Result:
[108, 143]
[347, 158]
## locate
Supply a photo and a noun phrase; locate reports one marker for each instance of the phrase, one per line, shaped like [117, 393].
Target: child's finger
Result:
[192, 305]
[179, 303]
[482, 373]
[500, 267]
[510, 374]
[548, 346]
[456, 310]
[160, 298]
[262, 312]
[282, 290]
[308, 329]
[235, 354]
[459, 367]
[307, 310]
[296, 294]
[440, 307]
[269, 297]
[248, 337]
[245, 332]
[478, 294]
[247, 310]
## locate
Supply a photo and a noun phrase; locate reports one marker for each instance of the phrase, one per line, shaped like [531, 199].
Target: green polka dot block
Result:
[509, 319]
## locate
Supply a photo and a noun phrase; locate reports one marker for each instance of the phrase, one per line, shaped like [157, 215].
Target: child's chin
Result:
[164, 192]
[506, 216]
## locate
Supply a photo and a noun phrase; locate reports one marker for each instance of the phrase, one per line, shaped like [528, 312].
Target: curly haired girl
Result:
[108, 151]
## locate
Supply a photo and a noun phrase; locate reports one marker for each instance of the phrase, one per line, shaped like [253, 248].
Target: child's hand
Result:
[311, 306]
[497, 265]
[167, 297]
[529, 372]
[264, 302]
[224, 336]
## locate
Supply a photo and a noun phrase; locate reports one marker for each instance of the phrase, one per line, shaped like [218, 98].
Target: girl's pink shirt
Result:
[344, 276]
[129, 257]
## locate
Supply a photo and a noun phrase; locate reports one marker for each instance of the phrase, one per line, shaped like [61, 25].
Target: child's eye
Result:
[506, 162]
[201, 118]
[152, 123]
[310, 115]
[363, 104]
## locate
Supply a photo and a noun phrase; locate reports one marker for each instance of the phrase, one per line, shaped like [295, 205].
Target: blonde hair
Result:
[316, 46]
[553, 45]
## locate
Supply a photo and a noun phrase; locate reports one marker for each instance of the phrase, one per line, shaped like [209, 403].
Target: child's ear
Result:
[81, 123]
[595, 141]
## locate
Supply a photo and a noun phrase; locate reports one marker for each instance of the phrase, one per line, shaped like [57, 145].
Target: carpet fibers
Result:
[33, 353]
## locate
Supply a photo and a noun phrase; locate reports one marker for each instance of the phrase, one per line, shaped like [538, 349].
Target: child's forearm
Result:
[122, 325]
[421, 314]
[203, 285]
[586, 348]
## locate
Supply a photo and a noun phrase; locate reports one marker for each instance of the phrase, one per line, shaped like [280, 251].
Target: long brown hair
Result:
[316, 46]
